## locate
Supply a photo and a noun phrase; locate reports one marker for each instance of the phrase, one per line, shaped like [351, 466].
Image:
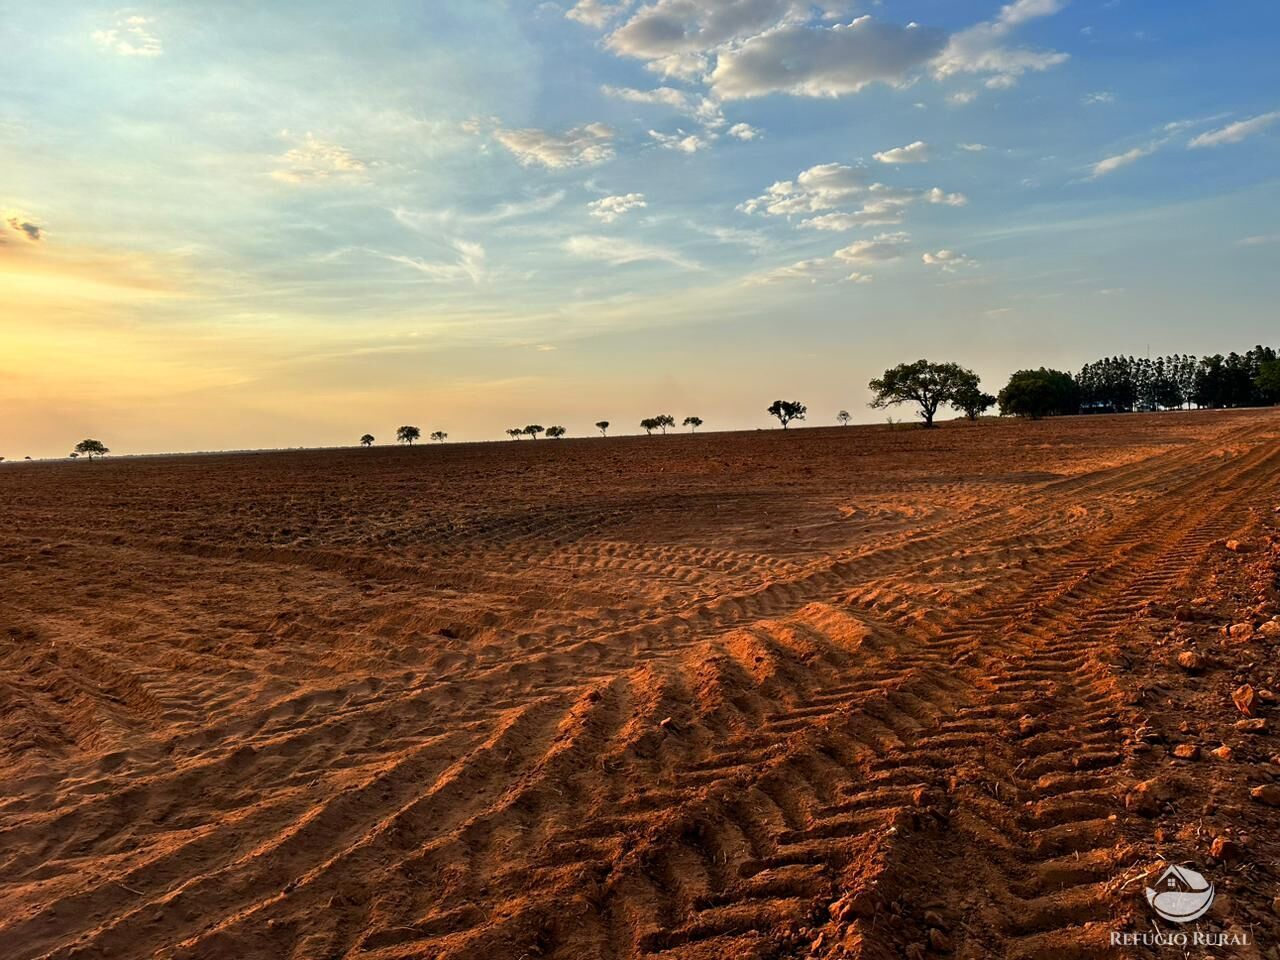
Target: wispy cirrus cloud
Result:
[587, 145]
[1233, 132]
[618, 252]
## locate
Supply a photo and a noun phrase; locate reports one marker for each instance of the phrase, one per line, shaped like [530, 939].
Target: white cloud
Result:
[961, 97]
[809, 271]
[1259, 240]
[424, 220]
[822, 187]
[824, 61]
[982, 49]
[948, 260]
[743, 131]
[856, 277]
[671, 28]
[610, 209]
[684, 142]
[1234, 132]
[1101, 96]
[594, 13]
[470, 264]
[887, 246]
[664, 96]
[832, 185]
[618, 252]
[917, 152]
[130, 37]
[1111, 164]
[316, 160]
[581, 146]
[973, 147]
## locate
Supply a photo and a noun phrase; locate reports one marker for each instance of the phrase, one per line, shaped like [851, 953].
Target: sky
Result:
[231, 224]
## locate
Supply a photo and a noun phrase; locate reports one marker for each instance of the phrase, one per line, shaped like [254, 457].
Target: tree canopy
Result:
[555, 432]
[91, 448]
[532, 430]
[927, 385]
[439, 436]
[603, 427]
[1040, 393]
[787, 410]
[843, 418]
[367, 440]
[408, 435]
[693, 423]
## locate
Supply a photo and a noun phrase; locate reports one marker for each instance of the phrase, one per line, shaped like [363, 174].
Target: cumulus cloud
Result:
[824, 61]
[31, 232]
[130, 37]
[618, 252]
[684, 142]
[1111, 164]
[948, 260]
[822, 187]
[832, 185]
[982, 48]
[594, 13]
[672, 28]
[917, 152]
[743, 131]
[610, 209]
[886, 246]
[317, 160]
[1233, 132]
[589, 144]
[469, 265]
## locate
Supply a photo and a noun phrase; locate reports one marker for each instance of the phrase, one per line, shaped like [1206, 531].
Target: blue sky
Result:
[243, 224]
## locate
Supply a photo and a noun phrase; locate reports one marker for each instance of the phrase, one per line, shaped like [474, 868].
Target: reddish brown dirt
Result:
[831, 693]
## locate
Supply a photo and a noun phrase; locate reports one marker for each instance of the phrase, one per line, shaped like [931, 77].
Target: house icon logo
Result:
[1180, 894]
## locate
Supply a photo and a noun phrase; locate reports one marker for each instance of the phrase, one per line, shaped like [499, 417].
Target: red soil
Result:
[831, 693]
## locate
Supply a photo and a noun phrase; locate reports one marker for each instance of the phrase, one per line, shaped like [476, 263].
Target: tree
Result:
[1040, 393]
[649, 424]
[603, 427]
[971, 401]
[693, 423]
[787, 410]
[1268, 381]
[533, 430]
[73, 455]
[515, 433]
[367, 440]
[555, 433]
[664, 420]
[843, 418]
[928, 385]
[439, 436]
[92, 448]
[408, 435]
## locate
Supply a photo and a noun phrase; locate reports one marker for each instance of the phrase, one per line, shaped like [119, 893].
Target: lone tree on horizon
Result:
[439, 436]
[533, 430]
[603, 427]
[787, 410]
[693, 423]
[928, 385]
[649, 424]
[555, 433]
[91, 448]
[514, 433]
[664, 420]
[408, 435]
[843, 418]
[367, 440]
